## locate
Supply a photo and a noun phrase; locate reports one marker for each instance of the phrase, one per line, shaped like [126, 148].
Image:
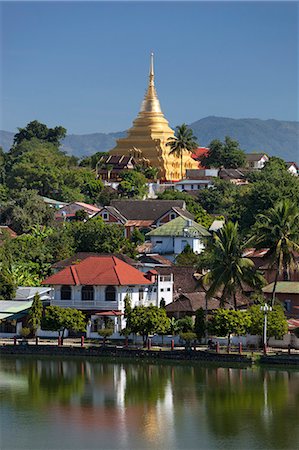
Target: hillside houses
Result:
[142, 214]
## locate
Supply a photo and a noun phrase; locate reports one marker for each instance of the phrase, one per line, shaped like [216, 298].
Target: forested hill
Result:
[275, 137]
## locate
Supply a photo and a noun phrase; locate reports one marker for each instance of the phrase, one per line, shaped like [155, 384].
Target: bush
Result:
[105, 333]
[188, 338]
[25, 332]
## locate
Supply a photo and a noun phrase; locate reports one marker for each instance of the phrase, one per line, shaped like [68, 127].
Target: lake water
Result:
[80, 405]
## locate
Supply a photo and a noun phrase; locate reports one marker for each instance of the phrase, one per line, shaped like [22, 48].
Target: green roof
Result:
[180, 227]
[283, 287]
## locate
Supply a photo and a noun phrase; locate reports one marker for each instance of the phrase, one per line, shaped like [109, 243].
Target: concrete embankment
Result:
[280, 360]
[115, 352]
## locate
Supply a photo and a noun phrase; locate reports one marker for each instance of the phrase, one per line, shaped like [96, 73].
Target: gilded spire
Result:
[151, 102]
[151, 73]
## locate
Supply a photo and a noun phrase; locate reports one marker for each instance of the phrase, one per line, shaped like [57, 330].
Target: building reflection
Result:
[160, 404]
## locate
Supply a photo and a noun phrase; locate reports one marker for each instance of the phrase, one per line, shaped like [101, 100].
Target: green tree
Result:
[200, 323]
[81, 215]
[187, 257]
[137, 237]
[185, 324]
[106, 196]
[226, 322]
[26, 210]
[229, 271]
[277, 325]
[127, 312]
[132, 185]
[93, 160]
[35, 313]
[225, 154]
[267, 188]
[40, 131]
[61, 319]
[147, 320]
[7, 284]
[278, 230]
[184, 141]
[95, 236]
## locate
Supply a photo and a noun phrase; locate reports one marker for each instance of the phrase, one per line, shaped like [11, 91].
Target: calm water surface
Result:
[77, 405]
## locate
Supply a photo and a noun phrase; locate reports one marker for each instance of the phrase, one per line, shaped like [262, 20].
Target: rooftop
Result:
[283, 287]
[255, 156]
[145, 209]
[180, 227]
[98, 271]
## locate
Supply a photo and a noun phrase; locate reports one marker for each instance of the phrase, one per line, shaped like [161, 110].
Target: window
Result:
[141, 294]
[87, 293]
[110, 294]
[288, 305]
[162, 290]
[192, 186]
[168, 289]
[105, 216]
[172, 216]
[66, 293]
[158, 242]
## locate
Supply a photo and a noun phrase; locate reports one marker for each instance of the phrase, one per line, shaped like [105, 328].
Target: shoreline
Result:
[138, 355]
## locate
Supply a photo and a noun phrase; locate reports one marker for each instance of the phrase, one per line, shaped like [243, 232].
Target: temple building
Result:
[146, 140]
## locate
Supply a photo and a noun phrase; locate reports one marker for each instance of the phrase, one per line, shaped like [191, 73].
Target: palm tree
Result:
[229, 271]
[183, 141]
[278, 230]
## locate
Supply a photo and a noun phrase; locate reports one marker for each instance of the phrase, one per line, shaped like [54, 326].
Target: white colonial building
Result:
[98, 286]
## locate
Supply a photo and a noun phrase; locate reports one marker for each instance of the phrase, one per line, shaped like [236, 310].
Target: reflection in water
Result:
[78, 404]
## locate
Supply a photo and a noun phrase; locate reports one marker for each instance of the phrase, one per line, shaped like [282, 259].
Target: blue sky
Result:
[85, 65]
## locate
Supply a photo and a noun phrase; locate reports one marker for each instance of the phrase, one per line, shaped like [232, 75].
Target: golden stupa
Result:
[146, 140]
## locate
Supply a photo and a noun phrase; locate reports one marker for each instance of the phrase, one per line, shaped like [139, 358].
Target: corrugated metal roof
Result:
[14, 306]
[180, 227]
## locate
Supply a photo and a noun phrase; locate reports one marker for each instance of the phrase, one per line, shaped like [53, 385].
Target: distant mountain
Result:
[275, 137]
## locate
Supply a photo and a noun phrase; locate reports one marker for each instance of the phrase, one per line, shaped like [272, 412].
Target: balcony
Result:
[100, 305]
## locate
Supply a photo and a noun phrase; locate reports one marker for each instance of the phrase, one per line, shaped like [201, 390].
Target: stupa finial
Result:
[151, 74]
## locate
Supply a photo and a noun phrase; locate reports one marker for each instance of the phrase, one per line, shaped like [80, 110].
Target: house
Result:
[98, 285]
[293, 168]
[171, 238]
[287, 292]
[142, 214]
[235, 176]
[53, 203]
[68, 212]
[263, 262]
[186, 304]
[109, 167]
[256, 161]
[13, 313]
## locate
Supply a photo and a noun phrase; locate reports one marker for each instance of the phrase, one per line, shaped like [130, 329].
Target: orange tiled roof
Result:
[98, 270]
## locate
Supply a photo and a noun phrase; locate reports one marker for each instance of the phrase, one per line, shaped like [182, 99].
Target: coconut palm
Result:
[229, 271]
[183, 141]
[278, 230]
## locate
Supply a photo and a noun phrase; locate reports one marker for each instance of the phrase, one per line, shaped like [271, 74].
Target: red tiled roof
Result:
[198, 153]
[98, 270]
